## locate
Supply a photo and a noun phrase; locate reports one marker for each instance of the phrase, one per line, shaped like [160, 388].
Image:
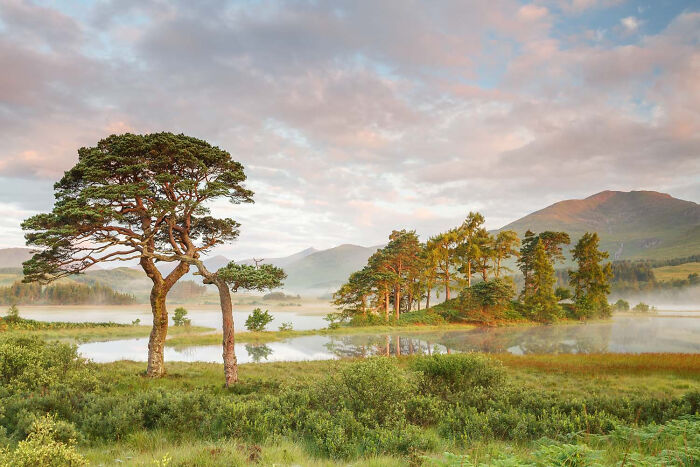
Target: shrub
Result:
[286, 327]
[29, 364]
[641, 307]
[13, 312]
[443, 374]
[375, 391]
[428, 317]
[335, 320]
[257, 320]
[621, 305]
[180, 317]
[486, 300]
[43, 447]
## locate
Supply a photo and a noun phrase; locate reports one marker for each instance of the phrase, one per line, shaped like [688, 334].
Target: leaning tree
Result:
[235, 277]
[137, 197]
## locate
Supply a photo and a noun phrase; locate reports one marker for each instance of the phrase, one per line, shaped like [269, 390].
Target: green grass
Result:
[98, 332]
[465, 409]
[657, 375]
[613, 374]
[680, 271]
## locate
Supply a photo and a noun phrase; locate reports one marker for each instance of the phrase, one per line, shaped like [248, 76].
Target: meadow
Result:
[462, 409]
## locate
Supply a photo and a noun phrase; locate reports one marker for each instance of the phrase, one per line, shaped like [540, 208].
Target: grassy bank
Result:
[504, 409]
[84, 331]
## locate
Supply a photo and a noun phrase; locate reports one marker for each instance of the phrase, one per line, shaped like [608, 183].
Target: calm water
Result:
[619, 335]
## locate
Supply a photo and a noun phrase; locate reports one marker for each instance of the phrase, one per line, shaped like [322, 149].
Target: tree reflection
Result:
[258, 352]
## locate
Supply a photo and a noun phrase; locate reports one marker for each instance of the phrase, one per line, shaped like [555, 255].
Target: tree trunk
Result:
[397, 301]
[469, 273]
[159, 331]
[228, 342]
[386, 304]
[498, 267]
[427, 300]
[364, 305]
[447, 288]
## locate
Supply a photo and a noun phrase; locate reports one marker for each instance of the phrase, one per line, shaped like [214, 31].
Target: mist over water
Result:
[685, 299]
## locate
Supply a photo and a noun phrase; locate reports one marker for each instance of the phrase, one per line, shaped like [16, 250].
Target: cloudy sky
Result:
[356, 117]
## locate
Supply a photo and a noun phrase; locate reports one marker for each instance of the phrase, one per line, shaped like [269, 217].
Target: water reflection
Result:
[258, 352]
[619, 335]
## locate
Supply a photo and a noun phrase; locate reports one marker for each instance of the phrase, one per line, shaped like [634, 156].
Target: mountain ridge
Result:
[631, 225]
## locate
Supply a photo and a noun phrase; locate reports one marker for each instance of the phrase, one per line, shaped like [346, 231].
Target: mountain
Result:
[631, 225]
[282, 262]
[326, 269]
[14, 257]
[309, 269]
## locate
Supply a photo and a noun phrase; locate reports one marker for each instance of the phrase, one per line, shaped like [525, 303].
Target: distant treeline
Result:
[186, 290]
[62, 294]
[638, 276]
[657, 263]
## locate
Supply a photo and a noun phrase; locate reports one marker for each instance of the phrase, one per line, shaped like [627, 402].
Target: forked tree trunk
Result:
[156, 342]
[159, 331]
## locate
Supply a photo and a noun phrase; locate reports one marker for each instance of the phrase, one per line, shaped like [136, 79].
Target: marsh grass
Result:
[86, 331]
[461, 409]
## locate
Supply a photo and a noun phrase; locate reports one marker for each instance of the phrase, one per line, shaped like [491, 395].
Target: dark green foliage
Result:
[591, 281]
[641, 307]
[243, 276]
[446, 374]
[562, 293]
[427, 317]
[180, 317]
[489, 298]
[540, 300]
[621, 305]
[257, 320]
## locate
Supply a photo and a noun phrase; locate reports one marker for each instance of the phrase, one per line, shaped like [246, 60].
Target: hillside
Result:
[631, 225]
[326, 269]
[14, 257]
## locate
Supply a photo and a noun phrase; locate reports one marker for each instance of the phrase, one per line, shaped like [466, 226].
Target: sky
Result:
[353, 118]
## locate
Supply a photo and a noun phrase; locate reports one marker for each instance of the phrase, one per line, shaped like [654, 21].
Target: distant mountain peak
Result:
[649, 224]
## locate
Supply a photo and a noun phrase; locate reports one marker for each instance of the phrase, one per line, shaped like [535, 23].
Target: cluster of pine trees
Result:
[470, 260]
[61, 293]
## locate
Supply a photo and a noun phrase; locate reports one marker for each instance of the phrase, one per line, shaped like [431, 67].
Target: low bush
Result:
[257, 320]
[45, 445]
